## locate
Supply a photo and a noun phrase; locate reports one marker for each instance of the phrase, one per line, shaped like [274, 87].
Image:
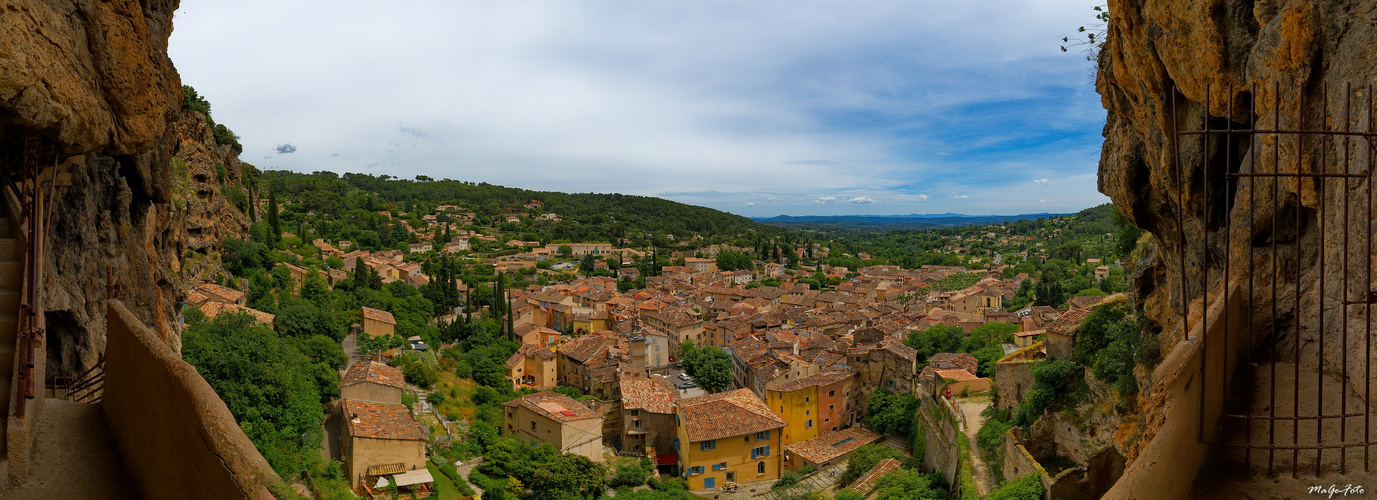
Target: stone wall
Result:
[940, 433]
[175, 434]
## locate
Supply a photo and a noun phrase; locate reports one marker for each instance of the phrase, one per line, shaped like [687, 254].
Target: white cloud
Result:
[822, 200]
[750, 203]
[1044, 200]
[861, 200]
[922, 197]
[958, 196]
[1041, 181]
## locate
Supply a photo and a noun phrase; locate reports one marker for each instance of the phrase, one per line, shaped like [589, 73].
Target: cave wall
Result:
[1272, 53]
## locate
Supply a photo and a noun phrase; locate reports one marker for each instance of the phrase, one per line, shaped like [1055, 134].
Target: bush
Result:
[1057, 384]
[630, 475]
[787, 479]
[1024, 488]
[865, 458]
[848, 495]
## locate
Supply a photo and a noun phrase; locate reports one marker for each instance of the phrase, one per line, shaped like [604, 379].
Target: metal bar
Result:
[1252, 220]
[1204, 255]
[1302, 175]
[1292, 419]
[1296, 448]
[1228, 162]
[1367, 323]
[1343, 395]
[1276, 168]
[1295, 380]
[1281, 131]
[1180, 220]
[1319, 295]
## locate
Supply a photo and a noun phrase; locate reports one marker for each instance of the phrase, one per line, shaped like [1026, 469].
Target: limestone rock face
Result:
[90, 81]
[1273, 53]
[93, 75]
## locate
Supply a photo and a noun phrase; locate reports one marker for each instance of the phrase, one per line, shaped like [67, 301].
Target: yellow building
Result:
[810, 405]
[728, 437]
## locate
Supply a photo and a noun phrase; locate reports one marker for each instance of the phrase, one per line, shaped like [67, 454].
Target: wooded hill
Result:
[584, 216]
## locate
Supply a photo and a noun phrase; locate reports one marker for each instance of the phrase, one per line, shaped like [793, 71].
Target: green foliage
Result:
[710, 366]
[194, 102]
[632, 474]
[1057, 383]
[864, 458]
[1091, 292]
[938, 338]
[273, 390]
[548, 474]
[787, 479]
[1098, 329]
[909, 484]
[952, 283]
[1028, 487]
[732, 261]
[848, 495]
[891, 413]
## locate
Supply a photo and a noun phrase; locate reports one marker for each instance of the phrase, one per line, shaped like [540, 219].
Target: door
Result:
[709, 482]
[731, 477]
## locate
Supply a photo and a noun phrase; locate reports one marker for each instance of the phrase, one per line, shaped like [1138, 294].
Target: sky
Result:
[757, 108]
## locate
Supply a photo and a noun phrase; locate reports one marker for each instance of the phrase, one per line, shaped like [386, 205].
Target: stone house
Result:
[372, 381]
[1014, 374]
[533, 366]
[551, 417]
[828, 449]
[379, 439]
[1061, 335]
[648, 413]
[378, 322]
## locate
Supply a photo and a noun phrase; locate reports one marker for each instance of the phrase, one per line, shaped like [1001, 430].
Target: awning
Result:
[408, 478]
[383, 470]
[667, 459]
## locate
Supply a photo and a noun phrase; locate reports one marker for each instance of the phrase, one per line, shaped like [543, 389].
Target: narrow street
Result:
[980, 471]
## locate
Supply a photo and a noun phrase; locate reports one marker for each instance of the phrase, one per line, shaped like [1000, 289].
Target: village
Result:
[804, 362]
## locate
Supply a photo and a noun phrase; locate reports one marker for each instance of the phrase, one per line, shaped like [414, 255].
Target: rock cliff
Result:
[1250, 61]
[91, 83]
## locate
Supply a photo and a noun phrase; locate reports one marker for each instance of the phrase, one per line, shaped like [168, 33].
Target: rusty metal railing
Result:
[36, 219]
[1283, 319]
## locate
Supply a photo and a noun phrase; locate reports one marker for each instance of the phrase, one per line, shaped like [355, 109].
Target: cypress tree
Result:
[274, 226]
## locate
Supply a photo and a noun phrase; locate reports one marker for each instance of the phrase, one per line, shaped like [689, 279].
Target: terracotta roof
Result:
[583, 348]
[554, 406]
[831, 445]
[957, 375]
[214, 309]
[378, 315]
[817, 379]
[867, 481]
[373, 371]
[1068, 322]
[216, 291]
[652, 394]
[381, 421]
[727, 414]
[961, 359]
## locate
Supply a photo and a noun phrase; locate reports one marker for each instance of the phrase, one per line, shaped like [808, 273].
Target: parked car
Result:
[685, 376]
[678, 364]
[687, 385]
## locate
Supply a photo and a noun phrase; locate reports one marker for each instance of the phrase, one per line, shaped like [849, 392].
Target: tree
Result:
[274, 225]
[910, 484]
[710, 367]
[865, 458]
[566, 250]
[1022, 488]
[586, 265]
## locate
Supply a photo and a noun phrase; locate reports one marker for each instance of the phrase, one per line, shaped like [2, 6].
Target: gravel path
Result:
[980, 471]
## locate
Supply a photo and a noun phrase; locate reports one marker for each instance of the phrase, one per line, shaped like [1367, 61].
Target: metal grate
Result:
[1296, 382]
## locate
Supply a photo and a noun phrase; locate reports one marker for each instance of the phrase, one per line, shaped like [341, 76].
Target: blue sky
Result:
[757, 108]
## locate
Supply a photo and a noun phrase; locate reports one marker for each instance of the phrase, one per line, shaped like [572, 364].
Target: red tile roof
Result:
[378, 315]
[727, 414]
[1068, 322]
[554, 406]
[652, 394]
[832, 445]
[373, 371]
[867, 481]
[381, 421]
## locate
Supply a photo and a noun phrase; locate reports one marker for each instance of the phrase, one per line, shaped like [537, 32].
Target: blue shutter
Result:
[676, 444]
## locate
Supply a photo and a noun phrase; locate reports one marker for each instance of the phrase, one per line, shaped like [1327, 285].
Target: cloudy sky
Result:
[757, 108]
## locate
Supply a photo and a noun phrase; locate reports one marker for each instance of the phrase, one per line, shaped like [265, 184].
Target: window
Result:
[808, 424]
[720, 466]
[532, 425]
[635, 412]
[807, 399]
[760, 468]
[807, 412]
[891, 383]
[707, 445]
[761, 452]
[636, 423]
[831, 407]
[831, 393]
[697, 469]
[748, 439]
[762, 436]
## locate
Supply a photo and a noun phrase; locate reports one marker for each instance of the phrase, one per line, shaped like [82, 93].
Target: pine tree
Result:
[274, 226]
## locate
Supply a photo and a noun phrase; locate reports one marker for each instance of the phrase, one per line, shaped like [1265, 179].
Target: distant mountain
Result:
[890, 222]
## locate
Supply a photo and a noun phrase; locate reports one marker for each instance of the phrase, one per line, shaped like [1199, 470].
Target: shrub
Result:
[787, 479]
[1024, 488]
